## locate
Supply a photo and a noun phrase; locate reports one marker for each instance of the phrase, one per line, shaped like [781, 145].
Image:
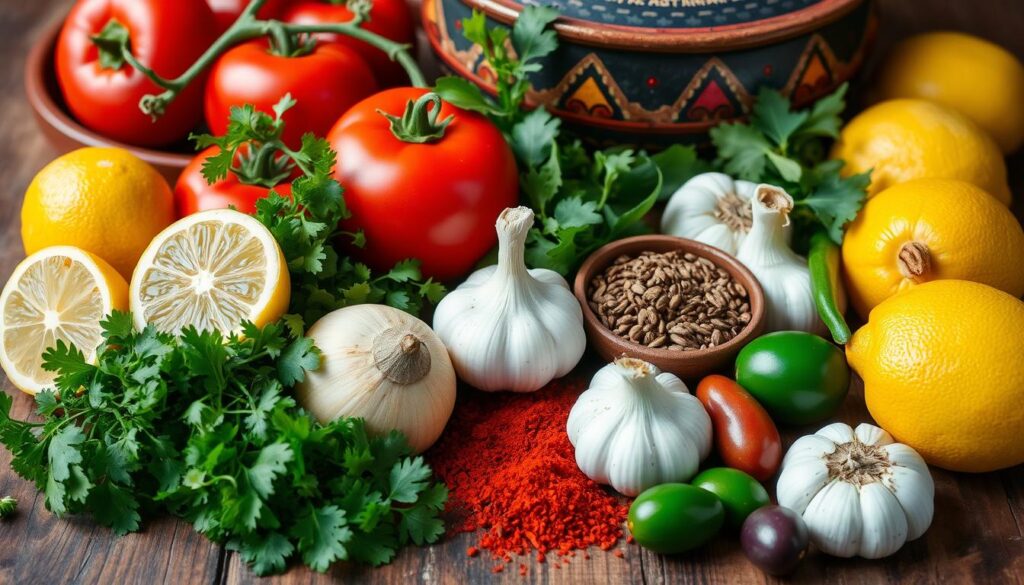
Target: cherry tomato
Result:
[798, 377]
[228, 11]
[775, 539]
[740, 493]
[388, 18]
[674, 517]
[745, 436]
[192, 193]
[165, 36]
[437, 200]
[324, 83]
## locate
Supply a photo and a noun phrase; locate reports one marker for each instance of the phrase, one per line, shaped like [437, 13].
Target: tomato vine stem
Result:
[248, 27]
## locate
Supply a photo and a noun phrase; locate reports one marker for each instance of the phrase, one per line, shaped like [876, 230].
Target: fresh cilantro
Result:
[787, 148]
[530, 40]
[308, 224]
[581, 200]
[201, 426]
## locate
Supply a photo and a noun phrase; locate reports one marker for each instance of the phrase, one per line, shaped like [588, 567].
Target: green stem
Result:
[294, 156]
[281, 41]
[248, 27]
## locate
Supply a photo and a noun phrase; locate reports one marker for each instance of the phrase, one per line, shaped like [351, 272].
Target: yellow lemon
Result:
[905, 139]
[979, 79]
[104, 200]
[943, 370]
[211, 270]
[59, 293]
[931, 229]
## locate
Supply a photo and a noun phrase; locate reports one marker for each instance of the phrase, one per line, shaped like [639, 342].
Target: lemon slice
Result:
[61, 293]
[210, 270]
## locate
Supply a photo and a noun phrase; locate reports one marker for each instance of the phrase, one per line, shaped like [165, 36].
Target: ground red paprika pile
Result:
[512, 472]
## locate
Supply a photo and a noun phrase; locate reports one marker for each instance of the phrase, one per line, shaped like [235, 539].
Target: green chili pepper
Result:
[823, 261]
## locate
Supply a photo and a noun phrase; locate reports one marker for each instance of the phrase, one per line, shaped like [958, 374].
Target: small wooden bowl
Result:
[685, 364]
[64, 132]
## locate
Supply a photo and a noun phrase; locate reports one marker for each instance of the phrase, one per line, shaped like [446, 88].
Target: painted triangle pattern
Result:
[714, 94]
[815, 74]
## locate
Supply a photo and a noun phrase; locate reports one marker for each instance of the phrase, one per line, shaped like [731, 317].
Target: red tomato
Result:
[388, 18]
[325, 83]
[165, 36]
[192, 193]
[745, 436]
[436, 201]
[228, 11]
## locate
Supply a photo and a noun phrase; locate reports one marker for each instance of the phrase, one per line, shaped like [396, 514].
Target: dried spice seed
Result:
[671, 300]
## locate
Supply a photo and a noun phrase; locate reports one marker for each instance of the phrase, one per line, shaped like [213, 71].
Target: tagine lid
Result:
[679, 25]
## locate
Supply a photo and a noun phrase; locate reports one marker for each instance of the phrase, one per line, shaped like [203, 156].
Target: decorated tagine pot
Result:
[661, 71]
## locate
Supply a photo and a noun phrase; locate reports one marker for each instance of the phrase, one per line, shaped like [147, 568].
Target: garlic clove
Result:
[808, 447]
[883, 522]
[838, 433]
[718, 235]
[833, 519]
[905, 456]
[872, 435]
[916, 495]
[639, 459]
[799, 483]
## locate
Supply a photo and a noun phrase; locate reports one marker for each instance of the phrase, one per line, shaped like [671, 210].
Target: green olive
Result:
[674, 517]
[740, 493]
[799, 378]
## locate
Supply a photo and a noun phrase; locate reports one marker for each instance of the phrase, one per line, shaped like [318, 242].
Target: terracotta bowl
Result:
[63, 131]
[685, 364]
[664, 72]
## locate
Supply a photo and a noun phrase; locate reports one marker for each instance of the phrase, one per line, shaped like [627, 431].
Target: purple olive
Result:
[774, 539]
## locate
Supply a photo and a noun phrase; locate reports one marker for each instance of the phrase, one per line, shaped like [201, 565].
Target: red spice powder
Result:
[512, 472]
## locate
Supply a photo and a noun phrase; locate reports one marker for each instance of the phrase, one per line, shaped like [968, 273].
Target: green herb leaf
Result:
[464, 94]
[836, 201]
[408, 478]
[771, 114]
[825, 116]
[296, 359]
[268, 554]
[322, 534]
[789, 169]
[533, 137]
[742, 149]
[270, 464]
[532, 37]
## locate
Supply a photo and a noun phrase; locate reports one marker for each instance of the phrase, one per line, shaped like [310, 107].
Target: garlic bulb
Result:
[860, 493]
[783, 274]
[509, 328]
[385, 366]
[637, 427]
[711, 208]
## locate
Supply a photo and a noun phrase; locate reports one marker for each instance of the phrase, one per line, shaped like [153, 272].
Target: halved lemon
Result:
[210, 270]
[61, 293]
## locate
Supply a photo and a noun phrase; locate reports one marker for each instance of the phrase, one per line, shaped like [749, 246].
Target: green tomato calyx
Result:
[112, 43]
[419, 123]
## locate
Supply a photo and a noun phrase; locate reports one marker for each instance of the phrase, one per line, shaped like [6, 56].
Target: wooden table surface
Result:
[976, 536]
